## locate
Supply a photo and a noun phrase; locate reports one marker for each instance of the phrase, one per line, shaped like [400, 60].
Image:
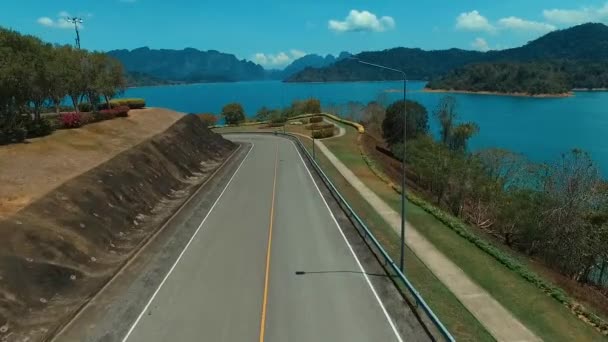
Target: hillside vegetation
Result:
[35, 75]
[533, 78]
[555, 63]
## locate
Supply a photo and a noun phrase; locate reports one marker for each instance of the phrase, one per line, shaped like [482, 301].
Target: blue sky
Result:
[273, 32]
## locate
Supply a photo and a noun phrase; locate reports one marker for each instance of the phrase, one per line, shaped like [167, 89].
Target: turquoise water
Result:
[541, 129]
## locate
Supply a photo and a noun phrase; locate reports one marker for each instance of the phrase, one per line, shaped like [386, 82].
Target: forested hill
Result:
[417, 63]
[586, 42]
[188, 65]
[582, 42]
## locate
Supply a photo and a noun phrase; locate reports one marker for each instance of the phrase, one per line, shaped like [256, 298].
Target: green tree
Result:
[263, 114]
[109, 78]
[233, 113]
[59, 70]
[392, 126]
[446, 115]
[311, 106]
[460, 136]
[77, 82]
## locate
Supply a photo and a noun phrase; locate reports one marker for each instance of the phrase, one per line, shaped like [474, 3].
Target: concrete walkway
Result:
[341, 130]
[493, 316]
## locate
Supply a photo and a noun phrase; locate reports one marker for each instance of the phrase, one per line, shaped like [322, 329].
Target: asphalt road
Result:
[268, 263]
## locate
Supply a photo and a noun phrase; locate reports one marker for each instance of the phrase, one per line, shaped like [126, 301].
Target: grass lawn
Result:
[539, 312]
[458, 320]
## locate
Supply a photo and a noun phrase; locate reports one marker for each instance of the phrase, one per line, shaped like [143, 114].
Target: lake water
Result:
[539, 128]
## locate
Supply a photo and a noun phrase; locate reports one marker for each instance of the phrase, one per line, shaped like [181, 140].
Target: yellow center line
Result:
[265, 298]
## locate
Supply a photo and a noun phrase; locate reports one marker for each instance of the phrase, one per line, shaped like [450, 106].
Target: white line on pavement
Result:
[388, 317]
[185, 248]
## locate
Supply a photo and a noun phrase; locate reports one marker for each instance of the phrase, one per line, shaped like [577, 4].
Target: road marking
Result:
[352, 251]
[185, 248]
[265, 298]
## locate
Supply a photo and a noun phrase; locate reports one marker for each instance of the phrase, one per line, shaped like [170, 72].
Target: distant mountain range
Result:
[586, 43]
[312, 61]
[188, 65]
[576, 57]
[145, 66]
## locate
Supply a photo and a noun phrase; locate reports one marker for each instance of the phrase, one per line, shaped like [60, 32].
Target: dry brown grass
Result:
[30, 170]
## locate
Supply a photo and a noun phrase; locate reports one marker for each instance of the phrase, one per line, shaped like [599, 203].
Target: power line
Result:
[76, 21]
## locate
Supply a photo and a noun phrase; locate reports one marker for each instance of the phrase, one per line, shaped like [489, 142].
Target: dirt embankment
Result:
[28, 171]
[60, 249]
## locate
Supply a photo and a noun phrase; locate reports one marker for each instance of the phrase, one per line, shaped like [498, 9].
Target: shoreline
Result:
[495, 93]
[587, 90]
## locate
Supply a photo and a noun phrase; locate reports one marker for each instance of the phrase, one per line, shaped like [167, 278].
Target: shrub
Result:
[319, 126]
[85, 107]
[122, 111]
[70, 120]
[87, 118]
[208, 119]
[131, 103]
[316, 119]
[109, 114]
[323, 133]
[14, 135]
[358, 126]
[39, 128]
[304, 121]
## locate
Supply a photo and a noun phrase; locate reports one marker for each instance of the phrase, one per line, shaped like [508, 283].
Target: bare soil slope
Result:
[28, 171]
[60, 249]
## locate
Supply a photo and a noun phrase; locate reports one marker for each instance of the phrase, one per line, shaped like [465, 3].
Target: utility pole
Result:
[76, 21]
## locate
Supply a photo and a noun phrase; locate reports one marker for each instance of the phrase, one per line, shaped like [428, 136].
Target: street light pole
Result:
[403, 156]
[76, 21]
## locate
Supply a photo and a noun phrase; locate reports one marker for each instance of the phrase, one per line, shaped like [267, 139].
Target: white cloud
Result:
[362, 21]
[480, 44]
[297, 53]
[45, 21]
[518, 24]
[577, 16]
[473, 21]
[278, 60]
[60, 22]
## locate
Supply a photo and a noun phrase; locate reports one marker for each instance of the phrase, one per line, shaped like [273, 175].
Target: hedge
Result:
[323, 133]
[359, 127]
[319, 126]
[133, 103]
[511, 263]
[316, 119]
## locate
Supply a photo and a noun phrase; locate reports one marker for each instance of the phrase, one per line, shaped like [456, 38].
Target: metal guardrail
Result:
[368, 234]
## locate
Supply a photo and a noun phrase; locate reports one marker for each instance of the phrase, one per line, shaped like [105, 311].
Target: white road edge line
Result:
[185, 248]
[388, 317]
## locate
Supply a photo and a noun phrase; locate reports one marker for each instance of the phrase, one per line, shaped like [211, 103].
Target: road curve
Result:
[227, 285]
